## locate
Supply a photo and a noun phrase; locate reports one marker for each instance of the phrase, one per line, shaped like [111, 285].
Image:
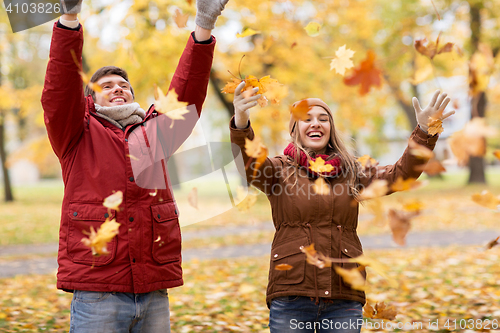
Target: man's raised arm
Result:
[62, 97]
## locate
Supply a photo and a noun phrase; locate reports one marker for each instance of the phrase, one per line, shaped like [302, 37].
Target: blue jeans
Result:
[95, 312]
[298, 314]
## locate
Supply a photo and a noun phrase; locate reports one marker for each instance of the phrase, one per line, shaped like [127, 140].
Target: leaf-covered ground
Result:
[454, 284]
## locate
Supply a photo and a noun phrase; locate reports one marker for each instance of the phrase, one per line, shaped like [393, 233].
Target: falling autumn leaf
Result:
[300, 109]
[312, 29]
[431, 49]
[283, 267]
[153, 194]
[193, 197]
[343, 60]
[432, 167]
[486, 199]
[492, 243]
[265, 84]
[98, 241]
[367, 162]
[380, 269]
[366, 75]
[321, 187]
[315, 258]
[246, 199]
[471, 140]
[170, 105]
[92, 85]
[247, 32]
[406, 185]
[114, 201]
[400, 224]
[414, 206]
[180, 19]
[378, 188]
[497, 154]
[381, 311]
[254, 148]
[319, 166]
[352, 277]
[420, 151]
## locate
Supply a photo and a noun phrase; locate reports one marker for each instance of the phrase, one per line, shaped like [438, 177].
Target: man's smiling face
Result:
[115, 91]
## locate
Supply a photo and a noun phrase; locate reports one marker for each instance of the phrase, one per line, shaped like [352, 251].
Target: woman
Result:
[306, 298]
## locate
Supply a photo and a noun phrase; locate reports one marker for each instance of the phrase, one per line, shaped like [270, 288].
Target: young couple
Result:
[93, 136]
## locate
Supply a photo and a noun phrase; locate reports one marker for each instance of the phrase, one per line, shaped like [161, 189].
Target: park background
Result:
[444, 272]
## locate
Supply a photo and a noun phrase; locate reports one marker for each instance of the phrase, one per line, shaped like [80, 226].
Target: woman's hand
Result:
[242, 103]
[438, 104]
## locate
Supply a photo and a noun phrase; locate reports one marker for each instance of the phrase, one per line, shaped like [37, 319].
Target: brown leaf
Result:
[492, 243]
[406, 185]
[486, 199]
[431, 49]
[368, 311]
[400, 224]
[384, 312]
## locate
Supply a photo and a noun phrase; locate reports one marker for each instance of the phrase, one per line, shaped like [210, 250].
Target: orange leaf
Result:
[321, 187]
[180, 19]
[376, 189]
[283, 267]
[497, 154]
[486, 199]
[352, 277]
[406, 185]
[367, 162]
[299, 110]
[366, 75]
[384, 312]
[98, 241]
[254, 148]
[230, 87]
[432, 168]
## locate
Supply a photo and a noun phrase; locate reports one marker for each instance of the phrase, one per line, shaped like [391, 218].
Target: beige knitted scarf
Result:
[121, 115]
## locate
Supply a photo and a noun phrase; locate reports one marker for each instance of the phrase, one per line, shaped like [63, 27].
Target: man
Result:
[95, 138]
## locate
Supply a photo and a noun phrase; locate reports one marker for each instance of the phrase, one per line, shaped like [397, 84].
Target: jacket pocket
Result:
[166, 233]
[350, 250]
[83, 217]
[290, 254]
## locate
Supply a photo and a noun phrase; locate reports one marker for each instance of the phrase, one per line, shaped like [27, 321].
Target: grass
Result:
[228, 295]
[34, 217]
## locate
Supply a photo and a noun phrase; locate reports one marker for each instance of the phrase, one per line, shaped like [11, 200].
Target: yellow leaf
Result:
[247, 32]
[421, 75]
[381, 311]
[380, 269]
[406, 185]
[312, 29]
[343, 60]
[246, 200]
[376, 189]
[230, 87]
[420, 151]
[352, 277]
[486, 199]
[413, 206]
[299, 110]
[367, 162]
[320, 166]
[170, 105]
[98, 241]
[114, 200]
[321, 187]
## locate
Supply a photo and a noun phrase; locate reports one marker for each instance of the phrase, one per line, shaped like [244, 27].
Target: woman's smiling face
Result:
[314, 132]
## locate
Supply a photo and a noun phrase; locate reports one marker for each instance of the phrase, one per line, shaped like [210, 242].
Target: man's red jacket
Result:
[96, 160]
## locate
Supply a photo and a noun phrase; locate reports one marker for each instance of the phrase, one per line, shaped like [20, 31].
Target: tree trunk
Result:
[218, 85]
[3, 158]
[478, 102]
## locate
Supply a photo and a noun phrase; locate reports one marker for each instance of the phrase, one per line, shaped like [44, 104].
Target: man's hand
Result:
[242, 103]
[208, 11]
[438, 104]
[71, 6]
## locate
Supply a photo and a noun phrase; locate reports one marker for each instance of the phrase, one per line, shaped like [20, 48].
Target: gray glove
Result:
[71, 6]
[438, 104]
[208, 11]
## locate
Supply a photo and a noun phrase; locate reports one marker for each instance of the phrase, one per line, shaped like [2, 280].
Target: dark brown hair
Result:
[103, 71]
